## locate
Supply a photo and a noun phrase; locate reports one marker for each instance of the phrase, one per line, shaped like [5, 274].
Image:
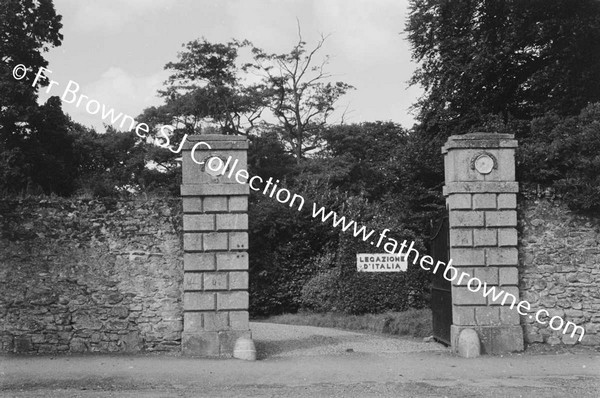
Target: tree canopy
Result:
[28, 28]
[531, 68]
[212, 90]
[509, 59]
[206, 87]
[300, 93]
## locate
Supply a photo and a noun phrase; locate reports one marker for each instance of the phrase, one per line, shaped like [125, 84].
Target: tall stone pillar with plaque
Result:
[481, 195]
[215, 244]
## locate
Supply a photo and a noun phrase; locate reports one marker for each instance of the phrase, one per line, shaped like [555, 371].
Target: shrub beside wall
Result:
[90, 276]
[338, 286]
[559, 255]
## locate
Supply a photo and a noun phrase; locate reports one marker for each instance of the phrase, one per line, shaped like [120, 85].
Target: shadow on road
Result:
[270, 348]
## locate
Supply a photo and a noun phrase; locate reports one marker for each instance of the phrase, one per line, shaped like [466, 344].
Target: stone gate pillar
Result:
[215, 244]
[480, 194]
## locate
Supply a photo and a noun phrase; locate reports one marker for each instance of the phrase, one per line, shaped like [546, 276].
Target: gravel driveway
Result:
[276, 340]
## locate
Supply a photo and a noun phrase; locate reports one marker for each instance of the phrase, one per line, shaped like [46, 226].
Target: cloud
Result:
[119, 90]
[369, 51]
[116, 48]
[363, 30]
[111, 15]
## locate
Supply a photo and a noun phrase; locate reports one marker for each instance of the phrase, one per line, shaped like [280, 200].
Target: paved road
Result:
[308, 362]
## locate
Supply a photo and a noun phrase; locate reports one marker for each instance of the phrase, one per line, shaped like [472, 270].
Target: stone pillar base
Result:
[494, 339]
[212, 344]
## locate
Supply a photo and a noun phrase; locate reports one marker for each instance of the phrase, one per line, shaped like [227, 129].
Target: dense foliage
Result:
[531, 68]
[299, 262]
[42, 151]
[512, 59]
[564, 154]
[337, 286]
[28, 28]
[522, 67]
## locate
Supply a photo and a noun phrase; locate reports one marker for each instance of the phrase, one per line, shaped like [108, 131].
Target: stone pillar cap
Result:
[216, 137]
[480, 140]
[216, 141]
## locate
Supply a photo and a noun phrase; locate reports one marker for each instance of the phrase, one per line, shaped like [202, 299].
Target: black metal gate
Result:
[441, 292]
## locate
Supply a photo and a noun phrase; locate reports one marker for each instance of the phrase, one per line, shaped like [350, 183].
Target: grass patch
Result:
[415, 323]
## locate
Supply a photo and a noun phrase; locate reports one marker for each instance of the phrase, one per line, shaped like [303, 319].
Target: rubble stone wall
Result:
[107, 275]
[559, 270]
[90, 275]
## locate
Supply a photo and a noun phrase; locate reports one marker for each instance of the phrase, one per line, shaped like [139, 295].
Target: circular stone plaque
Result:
[484, 164]
[214, 166]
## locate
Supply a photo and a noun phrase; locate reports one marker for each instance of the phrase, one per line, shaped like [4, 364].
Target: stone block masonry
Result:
[481, 199]
[215, 223]
[82, 276]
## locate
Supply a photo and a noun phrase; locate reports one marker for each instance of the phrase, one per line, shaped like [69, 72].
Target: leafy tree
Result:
[206, 86]
[282, 240]
[205, 94]
[209, 91]
[300, 93]
[387, 165]
[267, 157]
[420, 174]
[13, 171]
[50, 149]
[508, 59]
[373, 173]
[564, 153]
[107, 162]
[28, 28]
[362, 157]
[524, 67]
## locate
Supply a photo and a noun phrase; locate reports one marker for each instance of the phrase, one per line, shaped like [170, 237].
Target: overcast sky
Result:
[116, 49]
